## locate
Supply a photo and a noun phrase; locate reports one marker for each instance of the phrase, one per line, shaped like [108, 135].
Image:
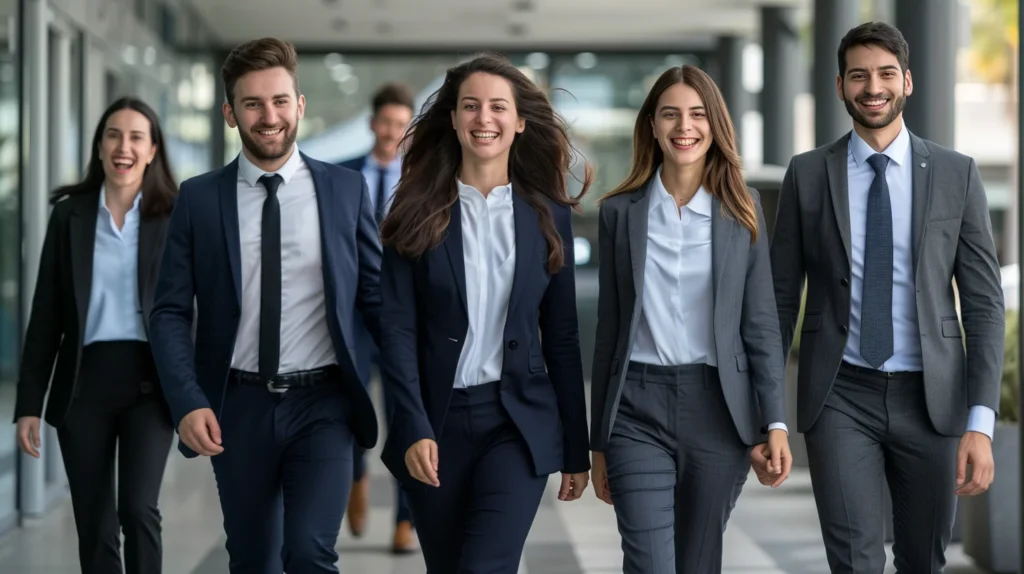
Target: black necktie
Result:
[876, 295]
[270, 280]
[382, 190]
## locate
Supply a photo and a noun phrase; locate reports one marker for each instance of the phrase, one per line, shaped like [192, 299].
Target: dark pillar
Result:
[730, 81]
[780, 43]
[832, 20]
[930, 27]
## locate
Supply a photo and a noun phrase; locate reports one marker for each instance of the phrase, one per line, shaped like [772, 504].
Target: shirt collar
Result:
[500, 193]
[897, 150]
[103, 199]
[700, 203]
[252, 174]
[393, 165]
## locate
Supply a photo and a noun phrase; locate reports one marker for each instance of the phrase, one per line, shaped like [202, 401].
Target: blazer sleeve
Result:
[45, 325]
[399, 351]
[982, 309]
[560, 343]
[787, 263]
[759, 329]
[368, 298]
[171, 321]
[607, 328]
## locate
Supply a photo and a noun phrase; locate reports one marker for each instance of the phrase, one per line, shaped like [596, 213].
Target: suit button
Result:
[844, 282]
[843, 329]
[512, 345]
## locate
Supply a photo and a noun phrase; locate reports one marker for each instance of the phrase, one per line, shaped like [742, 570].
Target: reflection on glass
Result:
[9, 255]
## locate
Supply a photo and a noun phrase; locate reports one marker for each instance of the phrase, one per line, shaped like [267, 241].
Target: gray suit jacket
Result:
[952, 238]
[748, 346]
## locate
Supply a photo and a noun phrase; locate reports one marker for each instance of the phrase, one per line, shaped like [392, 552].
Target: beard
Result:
[896, 106]
[269, 151]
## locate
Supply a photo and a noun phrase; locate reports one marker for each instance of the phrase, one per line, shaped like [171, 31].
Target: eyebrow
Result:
[676, 109]
[476, 99]
[140, 132]
[888, 67]
[274, 97]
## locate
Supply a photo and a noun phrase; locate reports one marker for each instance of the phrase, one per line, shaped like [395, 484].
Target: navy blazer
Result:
[203, 241]
[424, 324]
[364, 346]
[356, 163]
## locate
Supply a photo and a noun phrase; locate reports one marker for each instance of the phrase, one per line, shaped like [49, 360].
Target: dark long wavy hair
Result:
[723, 174]
[538, 163]
[159, 189]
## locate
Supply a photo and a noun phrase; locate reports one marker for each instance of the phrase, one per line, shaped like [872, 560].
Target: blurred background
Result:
[63, 61]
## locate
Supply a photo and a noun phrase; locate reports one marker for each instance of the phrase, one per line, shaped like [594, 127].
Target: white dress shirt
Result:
[305, 341]
[115, 312]
[489, 254]
[906, 331]
[676, 324]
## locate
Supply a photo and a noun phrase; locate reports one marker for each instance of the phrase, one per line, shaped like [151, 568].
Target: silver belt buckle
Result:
[273, 389]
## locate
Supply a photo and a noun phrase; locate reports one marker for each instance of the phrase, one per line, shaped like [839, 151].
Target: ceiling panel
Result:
[490, 23]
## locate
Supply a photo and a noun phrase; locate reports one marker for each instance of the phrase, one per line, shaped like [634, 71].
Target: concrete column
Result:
[930, 28]
[780, 43]
[730, 80]
[832, 20]
[35, 212]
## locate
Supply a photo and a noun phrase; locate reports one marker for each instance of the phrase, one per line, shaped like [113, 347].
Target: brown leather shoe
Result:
[404, 541]
[358, 506]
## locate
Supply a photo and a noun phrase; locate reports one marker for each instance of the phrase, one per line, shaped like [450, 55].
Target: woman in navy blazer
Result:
[478, 268]
[87, 342]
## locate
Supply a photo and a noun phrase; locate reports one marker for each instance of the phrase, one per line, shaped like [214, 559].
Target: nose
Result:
[269, 115]
[874, 85]
[123, 144]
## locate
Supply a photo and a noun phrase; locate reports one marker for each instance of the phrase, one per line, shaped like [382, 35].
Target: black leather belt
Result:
[284, 381]
[889, 375]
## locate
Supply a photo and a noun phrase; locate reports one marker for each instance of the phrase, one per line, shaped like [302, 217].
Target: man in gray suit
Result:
[879, 224]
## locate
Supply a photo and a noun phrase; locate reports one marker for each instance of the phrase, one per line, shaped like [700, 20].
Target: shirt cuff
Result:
[782, 426]
[982, 419]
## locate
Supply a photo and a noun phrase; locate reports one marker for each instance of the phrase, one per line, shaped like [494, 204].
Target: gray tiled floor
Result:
[770, 532]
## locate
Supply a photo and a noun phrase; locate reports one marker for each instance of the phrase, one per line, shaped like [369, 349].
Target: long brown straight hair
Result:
[723, 176]
[538, 162]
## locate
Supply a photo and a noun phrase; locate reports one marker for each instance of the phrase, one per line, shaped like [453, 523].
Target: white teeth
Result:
[872, 103]
[270, 132]
[123, 163]
[685, 142]
[485, 135]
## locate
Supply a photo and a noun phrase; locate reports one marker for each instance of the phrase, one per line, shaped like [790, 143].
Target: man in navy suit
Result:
[393, 109]
[279, 252]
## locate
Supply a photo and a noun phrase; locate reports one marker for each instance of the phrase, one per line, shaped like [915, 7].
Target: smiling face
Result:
[485, 117]
[681, 126]
[266, 112]
[126, 148]
[874, 88]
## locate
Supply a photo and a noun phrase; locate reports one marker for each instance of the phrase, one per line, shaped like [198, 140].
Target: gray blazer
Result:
[952, 238]
[748, 346]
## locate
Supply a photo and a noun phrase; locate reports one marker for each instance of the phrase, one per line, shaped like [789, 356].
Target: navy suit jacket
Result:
[424, 324]
[203, 243]
[365, 348]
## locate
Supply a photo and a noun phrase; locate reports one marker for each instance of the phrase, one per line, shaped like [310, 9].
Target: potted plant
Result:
[991, 533]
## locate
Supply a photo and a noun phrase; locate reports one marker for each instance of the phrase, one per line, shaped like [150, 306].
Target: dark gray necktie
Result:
[382, 191]
[876, 296]
[270, 280]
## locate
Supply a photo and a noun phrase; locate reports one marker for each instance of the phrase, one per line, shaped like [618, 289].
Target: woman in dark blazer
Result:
[480, 342]
[90, 314]
[688, 369]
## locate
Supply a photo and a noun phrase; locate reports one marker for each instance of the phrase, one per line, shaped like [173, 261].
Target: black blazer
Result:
[424, 324]
[56, 327]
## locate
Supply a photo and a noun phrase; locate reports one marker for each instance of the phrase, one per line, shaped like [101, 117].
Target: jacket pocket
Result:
[951, 328]
[741, 362]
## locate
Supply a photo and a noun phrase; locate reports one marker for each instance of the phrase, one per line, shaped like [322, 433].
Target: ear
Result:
[520, 125]
[908, 84]
[301, 106]
[152, 155]
[839, 88]
[229, 115]
[453, 120]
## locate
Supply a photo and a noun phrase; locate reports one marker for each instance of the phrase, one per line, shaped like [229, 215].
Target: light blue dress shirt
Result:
[115, 313]
[905, 329]
[371, 173]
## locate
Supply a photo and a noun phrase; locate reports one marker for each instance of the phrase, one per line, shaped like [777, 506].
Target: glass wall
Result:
[10, 249]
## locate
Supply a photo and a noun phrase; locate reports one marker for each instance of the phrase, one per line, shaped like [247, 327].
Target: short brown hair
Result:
[256, 55]
[392, 94]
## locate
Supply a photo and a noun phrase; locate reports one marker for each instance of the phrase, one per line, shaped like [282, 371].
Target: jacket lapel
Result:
[721, 242]
[453, 247]
[324, 189]
[835, 163]
[636, 227]
[82, 231]
[229, 216]
[921, 175]
[527, 231]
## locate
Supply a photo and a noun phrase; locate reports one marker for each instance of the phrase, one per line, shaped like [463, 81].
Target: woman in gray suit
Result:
[688, 366]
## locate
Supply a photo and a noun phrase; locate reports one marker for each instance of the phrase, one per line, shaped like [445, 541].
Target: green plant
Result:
[1009, 400]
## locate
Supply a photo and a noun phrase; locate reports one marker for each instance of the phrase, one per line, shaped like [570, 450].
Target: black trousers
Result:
[119, 414]
[477, 521]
